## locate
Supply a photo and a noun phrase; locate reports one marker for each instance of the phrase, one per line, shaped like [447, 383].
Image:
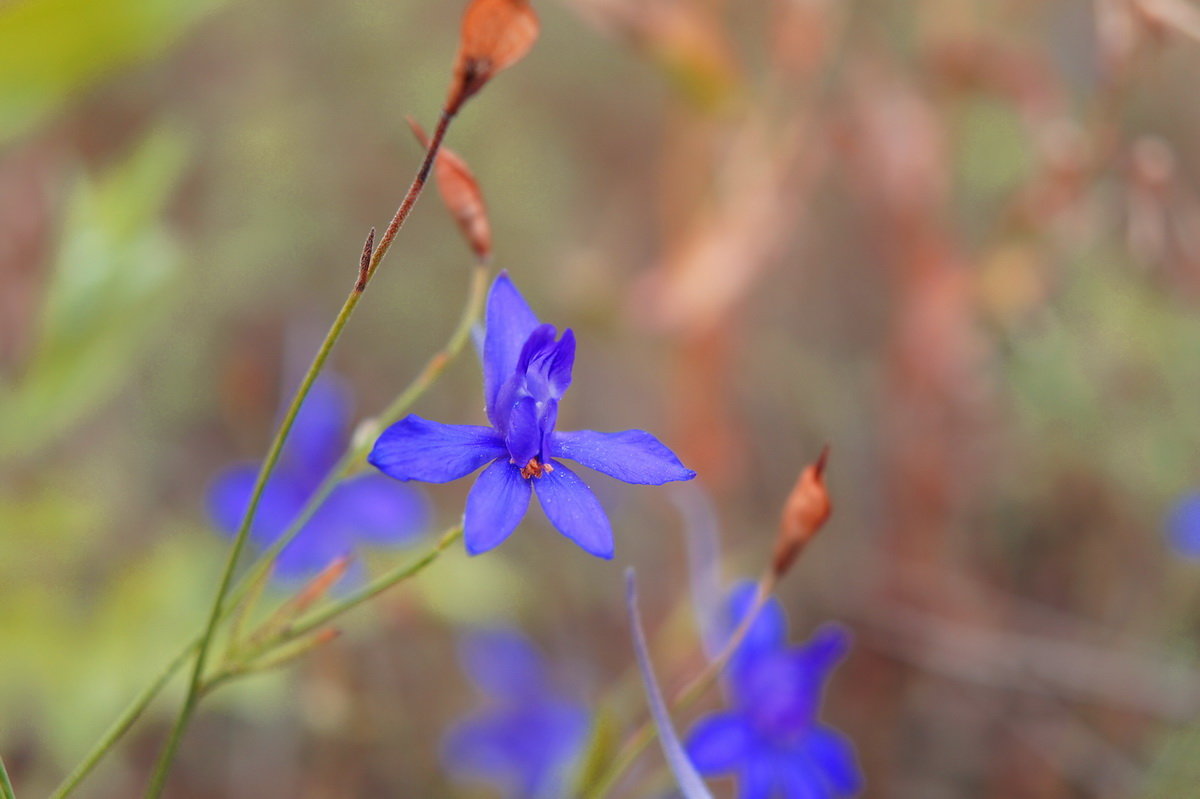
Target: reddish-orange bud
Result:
[495, 35]
[318, 586]
[460, 192]
[804, 513]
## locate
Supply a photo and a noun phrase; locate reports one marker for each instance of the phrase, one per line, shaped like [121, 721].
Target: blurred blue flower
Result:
[526, 370]
[368, 508]
[525, 738]
[1183, 526]
[771, 738]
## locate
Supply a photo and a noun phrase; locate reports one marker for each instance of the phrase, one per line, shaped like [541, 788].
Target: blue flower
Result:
[368, 508]
[526, 370]
[771, 738]
[526, 737]
[1183, 526]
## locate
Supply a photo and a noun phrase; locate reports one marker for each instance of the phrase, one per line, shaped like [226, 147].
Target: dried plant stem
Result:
[195, 685]
[647, 732]
[6, 789]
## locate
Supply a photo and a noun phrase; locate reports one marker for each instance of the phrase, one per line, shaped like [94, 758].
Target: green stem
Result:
[372, 589]
[123, 723]
[415, 389]
[163, 767]
[6, 789]
[355, 455]
[195, 685]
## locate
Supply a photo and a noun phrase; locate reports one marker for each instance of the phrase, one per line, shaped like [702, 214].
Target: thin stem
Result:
[373, 588]
[6, 789]
[646, 733]
[256, 577]
[163, 767]
[158, 781]
[354, 455]
[123, 722]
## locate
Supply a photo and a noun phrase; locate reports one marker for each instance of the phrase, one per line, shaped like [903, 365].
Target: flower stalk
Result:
[6, 788]
[158, 780]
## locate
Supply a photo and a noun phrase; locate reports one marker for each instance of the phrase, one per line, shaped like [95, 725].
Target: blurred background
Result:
[958, 240]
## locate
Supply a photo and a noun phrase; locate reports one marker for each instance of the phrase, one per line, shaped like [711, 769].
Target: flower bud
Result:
[460, 192]
[804, 513]
[495, 35]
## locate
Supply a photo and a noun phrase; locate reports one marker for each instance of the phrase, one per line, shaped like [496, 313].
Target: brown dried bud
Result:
[804, 513]
[495, 35]
[460, 192]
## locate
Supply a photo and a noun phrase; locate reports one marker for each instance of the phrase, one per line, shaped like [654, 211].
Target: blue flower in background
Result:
[369, 508]
[771, 738]
[1183, 526]
[526, 371]
[526, 737]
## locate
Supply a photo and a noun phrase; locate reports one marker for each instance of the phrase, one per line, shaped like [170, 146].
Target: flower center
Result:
[535, 468]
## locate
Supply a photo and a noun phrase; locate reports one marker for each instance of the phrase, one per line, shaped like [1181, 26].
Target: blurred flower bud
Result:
[495, 35]
[460, 192]
[804, 513]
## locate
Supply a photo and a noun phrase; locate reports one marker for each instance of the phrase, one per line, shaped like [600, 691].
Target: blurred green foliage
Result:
[106, 296]
[51, 49]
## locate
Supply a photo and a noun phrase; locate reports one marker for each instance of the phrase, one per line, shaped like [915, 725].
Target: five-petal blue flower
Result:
[771, 738]
[527, 736]
[1183, 526]
[368, 508]
[526, 370]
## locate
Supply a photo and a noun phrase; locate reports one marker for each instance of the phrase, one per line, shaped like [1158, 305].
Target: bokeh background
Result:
[959, 240]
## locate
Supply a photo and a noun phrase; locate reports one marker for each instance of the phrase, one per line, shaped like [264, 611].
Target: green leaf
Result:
[107, 292]
[51, 49]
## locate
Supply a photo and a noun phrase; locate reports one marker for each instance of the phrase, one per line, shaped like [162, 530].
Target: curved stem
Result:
[123, 723]
[646, 733]
[163, 767]
[6, 789]
[416, 388]
[354, 455]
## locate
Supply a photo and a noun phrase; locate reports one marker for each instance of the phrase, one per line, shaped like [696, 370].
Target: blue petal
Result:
[418, 449]
[319, 433]
[523, 748]
[524, 435]
[633, 456]
[503, 664]
[510, 321]
[1183, 526]
[315, 547]
[833, 754]
[828, 645]
[495, 506]
[798, 780]
[574, 510]
[719, 743]
[282, 500]
[546, 364]
[378, 510]
[757, 778]
[689, 781]
[767, 634]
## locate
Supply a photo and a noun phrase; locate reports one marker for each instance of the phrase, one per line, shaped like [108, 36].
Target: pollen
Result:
[535, 468]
